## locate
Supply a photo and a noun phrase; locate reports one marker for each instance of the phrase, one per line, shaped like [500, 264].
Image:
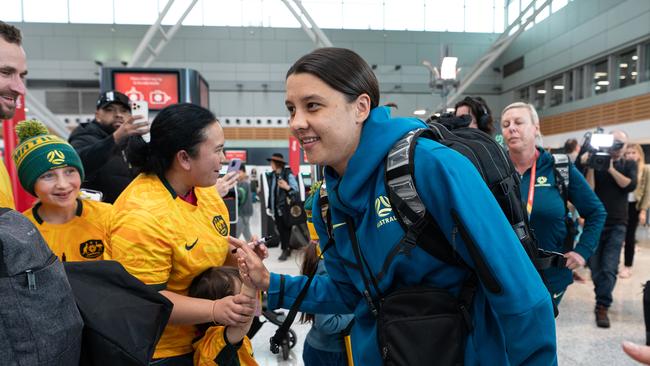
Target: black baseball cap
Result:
[111, 97]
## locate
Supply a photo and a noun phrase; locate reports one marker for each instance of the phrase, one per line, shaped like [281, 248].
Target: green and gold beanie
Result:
[39, 152]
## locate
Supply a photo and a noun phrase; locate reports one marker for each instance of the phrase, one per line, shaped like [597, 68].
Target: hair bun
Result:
[30, 128]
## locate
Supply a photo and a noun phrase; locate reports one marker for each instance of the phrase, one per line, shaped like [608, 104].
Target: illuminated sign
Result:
[236, 154]
[158, 89]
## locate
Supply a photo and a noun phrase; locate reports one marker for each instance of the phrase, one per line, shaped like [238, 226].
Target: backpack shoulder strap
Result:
[420, 227]
[561, 171]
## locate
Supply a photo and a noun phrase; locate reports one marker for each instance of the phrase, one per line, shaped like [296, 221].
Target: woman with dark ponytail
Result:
[171, 224]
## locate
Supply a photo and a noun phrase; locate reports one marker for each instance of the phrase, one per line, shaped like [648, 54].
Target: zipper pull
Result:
[454, 231]
[31, 280]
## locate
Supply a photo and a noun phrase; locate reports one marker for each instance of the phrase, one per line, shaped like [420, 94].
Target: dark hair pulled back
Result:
[177, 127]
[342, 69]
[213, 284]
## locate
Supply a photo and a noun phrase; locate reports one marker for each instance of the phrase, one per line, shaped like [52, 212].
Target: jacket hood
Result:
[380, 132]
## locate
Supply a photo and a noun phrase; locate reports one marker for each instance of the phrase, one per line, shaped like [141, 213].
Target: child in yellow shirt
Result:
[220, 345]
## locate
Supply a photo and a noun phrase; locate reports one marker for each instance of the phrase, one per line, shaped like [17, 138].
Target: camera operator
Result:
[612, 184]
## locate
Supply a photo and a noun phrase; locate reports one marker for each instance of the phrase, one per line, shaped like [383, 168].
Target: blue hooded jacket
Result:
[511, 327]
[547, 217]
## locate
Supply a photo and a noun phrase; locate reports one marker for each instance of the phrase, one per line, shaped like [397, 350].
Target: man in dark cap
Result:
[281, 183]
[102, 144]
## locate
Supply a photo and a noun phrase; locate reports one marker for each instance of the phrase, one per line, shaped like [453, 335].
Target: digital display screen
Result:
[236, 154]
[159, 89]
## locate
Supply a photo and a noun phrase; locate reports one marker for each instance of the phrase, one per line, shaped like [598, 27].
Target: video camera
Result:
[600, 147]
[450, 120]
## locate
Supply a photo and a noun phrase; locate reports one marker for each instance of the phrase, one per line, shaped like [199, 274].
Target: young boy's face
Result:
[58, 187]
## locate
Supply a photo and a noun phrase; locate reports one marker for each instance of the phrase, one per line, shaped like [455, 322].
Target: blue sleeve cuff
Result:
[274, 291]
[585, 252]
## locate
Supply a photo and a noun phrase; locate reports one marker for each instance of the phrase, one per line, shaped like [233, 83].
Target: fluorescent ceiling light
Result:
[623, 65]
[558, 87]
[599, 74]
[448, 68]
[635, 57]
[541, 91]
[603, 82]
[597, 87]
[633, 73]
[451, 109]
[420, 112]
[622, 77]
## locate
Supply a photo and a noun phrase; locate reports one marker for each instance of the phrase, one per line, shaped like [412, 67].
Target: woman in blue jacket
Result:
[540, 192]
[333, 97]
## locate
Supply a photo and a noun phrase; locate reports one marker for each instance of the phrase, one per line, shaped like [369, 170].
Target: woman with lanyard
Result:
[544, 202]
[170, 225]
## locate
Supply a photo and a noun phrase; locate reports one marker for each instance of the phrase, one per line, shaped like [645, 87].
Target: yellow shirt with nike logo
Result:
[6, 193]
[84, 238]
[166, 242]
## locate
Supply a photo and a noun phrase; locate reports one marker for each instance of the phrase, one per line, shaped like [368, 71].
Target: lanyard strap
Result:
[531, 185]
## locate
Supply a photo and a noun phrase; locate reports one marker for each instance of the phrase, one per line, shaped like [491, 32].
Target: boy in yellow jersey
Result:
[170, 224]
[220, 345]
[50, 169]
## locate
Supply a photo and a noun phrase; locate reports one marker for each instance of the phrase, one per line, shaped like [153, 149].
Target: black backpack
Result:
[123, 317]
[40, 323]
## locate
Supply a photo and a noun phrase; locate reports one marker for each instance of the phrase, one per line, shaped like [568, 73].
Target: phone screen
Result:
[234, 165]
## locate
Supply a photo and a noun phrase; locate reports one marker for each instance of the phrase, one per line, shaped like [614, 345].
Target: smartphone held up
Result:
[140, 109]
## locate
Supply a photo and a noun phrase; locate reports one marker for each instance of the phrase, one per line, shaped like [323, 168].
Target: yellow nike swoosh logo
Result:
[555, 296]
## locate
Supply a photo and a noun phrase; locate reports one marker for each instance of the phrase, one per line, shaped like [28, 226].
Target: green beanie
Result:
[39, 152]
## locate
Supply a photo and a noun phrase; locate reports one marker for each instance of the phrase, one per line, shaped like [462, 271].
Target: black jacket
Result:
[105, 164]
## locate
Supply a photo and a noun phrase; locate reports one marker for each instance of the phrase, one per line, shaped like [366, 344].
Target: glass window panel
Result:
[523, 95]
[276, 14]
[45, 11]
[557, 90]
[600, 77]
[11, 10]
[513, 11]
[479, 16]
[580, 83]
[373, 14]
[569, 86]
[444, 16]
[499, 14]
[136, 12]
[326, 13]
[253, 15]
[558, 4]
[646, 68]
[216, 14]
[404, 15]
[195, 17]
[544, 13]
[626, 68]
[91, 11]
[540, 94]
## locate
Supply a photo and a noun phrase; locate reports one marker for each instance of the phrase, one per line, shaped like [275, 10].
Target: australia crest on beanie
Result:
[39, 152]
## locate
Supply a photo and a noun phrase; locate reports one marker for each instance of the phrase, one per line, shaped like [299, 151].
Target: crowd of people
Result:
[164, 220]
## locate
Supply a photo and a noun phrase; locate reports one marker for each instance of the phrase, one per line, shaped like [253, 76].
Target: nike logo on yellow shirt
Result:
[189, 247]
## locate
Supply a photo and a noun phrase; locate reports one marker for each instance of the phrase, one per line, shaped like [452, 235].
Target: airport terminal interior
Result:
[584, 65]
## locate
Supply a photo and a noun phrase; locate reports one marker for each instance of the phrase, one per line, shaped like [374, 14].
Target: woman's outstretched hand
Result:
[251, 269]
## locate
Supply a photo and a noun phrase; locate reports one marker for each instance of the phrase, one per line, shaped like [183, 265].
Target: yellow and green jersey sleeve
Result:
[84, 238]
[213, 349]
[166, 242]
[6, 193]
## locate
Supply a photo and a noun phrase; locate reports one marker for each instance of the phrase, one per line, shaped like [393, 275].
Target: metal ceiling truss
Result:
[313, 31]
[147, 41]
[495, 50]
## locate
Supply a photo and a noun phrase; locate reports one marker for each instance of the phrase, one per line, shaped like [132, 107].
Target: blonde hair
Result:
[641, 163]
[533, 116]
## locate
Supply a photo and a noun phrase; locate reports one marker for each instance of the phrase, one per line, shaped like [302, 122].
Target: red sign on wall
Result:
[158, 89]
[236, 154]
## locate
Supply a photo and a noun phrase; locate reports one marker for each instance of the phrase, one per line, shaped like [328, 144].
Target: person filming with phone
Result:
[102, 144]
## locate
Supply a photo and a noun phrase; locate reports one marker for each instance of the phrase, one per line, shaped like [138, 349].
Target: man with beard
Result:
[13, 69]
[102, 145]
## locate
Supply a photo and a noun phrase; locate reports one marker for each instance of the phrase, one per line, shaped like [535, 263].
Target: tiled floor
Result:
[580, 342]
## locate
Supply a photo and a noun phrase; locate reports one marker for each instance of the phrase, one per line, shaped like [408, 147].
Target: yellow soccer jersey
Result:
[166, 242]
[84, 238]
[214, 350]
[6, 193]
